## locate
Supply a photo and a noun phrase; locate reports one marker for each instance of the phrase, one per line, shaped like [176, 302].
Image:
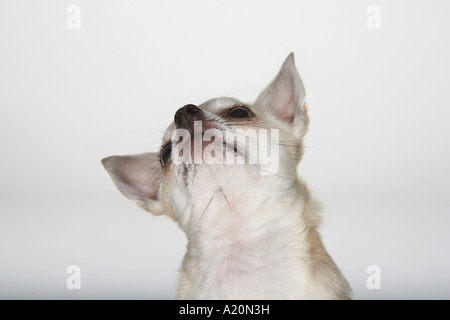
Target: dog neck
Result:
[235, 243]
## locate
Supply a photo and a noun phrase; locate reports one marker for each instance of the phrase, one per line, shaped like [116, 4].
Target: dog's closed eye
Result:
[240, 112]
[166, 151]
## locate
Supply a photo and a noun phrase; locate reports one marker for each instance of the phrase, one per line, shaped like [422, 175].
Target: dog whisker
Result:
[207, 206]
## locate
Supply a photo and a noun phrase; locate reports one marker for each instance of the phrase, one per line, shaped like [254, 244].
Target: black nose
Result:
[186, 114]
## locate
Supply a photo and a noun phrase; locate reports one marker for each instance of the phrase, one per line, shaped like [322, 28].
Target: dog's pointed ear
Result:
[284, 97]
[138, 177]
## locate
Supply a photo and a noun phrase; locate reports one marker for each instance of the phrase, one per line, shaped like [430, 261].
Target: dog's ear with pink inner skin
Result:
[138, 177]
[284, 97]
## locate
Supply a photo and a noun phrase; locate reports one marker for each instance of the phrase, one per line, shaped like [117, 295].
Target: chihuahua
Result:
[251, 225]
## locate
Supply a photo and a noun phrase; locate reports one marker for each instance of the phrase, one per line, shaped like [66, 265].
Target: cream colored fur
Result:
[250, 236]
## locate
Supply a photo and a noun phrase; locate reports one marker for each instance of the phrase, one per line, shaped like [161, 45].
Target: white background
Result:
[378, 146]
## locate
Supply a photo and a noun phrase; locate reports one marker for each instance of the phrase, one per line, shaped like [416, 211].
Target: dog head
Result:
[236, 153]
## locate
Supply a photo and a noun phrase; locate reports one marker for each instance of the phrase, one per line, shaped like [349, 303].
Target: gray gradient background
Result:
[378, 146]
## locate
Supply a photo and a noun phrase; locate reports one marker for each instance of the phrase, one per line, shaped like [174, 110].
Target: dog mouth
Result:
[198, 138]
[203, 138]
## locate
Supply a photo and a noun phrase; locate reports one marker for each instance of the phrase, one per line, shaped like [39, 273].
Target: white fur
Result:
[250, 236]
